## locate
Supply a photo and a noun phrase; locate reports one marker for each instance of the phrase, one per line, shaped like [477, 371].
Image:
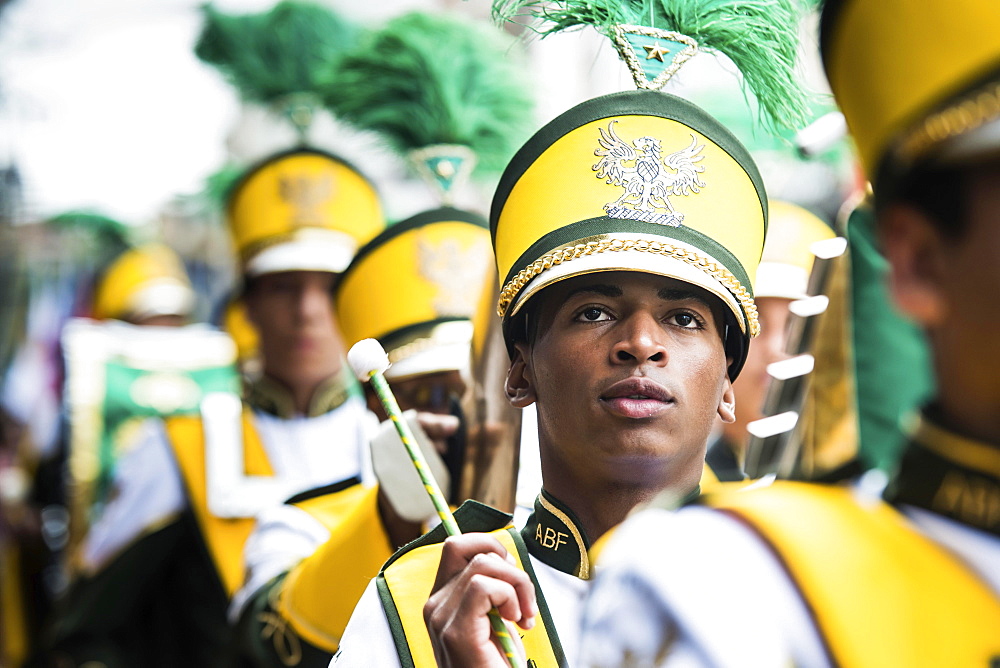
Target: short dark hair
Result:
[249, 283]
[522, 327]
[939, 191]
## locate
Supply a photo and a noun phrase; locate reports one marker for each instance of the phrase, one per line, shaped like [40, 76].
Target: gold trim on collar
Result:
[583, 571]
[971, 454]
[332, 392]
[271, 396]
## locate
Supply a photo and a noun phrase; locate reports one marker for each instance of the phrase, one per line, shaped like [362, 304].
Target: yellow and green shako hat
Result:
[634, 181]
[787, 260]
[914, 82]
[143, 282]
[302, 210]
[415, 288]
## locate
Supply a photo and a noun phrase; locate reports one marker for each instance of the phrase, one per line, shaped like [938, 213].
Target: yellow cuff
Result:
[320, 593]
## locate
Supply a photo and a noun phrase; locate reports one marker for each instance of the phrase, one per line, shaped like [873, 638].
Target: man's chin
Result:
[639, 461]
[309, 370]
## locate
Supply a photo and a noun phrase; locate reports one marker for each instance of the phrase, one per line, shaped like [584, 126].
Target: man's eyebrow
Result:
[603, 289]
[679, 294]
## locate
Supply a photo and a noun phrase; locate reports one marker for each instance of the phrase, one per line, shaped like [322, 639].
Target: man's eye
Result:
[685, 320]
[593, 314]
[282, 286]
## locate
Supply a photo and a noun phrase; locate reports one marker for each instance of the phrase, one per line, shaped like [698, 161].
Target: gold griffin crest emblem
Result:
[306, 194]
[648, 178]
[452, 268]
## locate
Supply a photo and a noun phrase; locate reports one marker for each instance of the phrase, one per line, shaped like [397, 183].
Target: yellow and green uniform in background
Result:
[879, 590]
[299, 616]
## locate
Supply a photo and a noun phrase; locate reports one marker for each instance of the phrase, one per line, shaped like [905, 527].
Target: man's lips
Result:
[304, 343]
[637, 398]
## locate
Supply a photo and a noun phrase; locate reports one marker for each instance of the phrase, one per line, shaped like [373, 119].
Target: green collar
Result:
[271, 396]
[553, 535]
[722, 460]
[950, 475]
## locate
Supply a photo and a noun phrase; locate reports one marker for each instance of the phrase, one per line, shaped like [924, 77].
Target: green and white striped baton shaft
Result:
[388, 400]
[416, 456]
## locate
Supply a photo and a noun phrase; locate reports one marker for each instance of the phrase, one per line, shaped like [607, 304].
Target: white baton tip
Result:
[366, 356]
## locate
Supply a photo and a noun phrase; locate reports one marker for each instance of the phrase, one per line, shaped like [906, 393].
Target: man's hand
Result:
[439, 428]
[475, 575]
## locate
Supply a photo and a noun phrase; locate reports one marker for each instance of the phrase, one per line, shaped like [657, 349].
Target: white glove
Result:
[398, 477]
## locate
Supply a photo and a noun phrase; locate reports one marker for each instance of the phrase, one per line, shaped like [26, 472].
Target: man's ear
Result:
[519, 386]
[727, 404]
[917, 263]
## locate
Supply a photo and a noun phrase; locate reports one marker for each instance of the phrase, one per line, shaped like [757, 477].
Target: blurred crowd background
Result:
[113, 132]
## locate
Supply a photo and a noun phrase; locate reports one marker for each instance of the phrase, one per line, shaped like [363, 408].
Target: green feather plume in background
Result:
[759, 36]
[107, 232]
[218, 186]
[430, 79]
[282, 56]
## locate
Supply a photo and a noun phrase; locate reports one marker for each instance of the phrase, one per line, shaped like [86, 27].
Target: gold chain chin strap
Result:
[567, 253]
[970, 113]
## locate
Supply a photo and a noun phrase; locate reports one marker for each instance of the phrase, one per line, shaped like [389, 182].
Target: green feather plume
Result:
[93, 239]
[281, 56]
[759, 36]
[219, 185]
[429, 79]
[107, 231]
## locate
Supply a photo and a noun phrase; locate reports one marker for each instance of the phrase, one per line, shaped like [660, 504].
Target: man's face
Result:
[628, 372]
[428, 393]
[293, 314]
[968, 315]
[945, 283]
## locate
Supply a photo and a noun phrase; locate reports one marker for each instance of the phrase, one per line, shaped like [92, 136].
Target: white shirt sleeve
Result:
[694, 588]
[283, 536]
[367, 640]
[146, 492]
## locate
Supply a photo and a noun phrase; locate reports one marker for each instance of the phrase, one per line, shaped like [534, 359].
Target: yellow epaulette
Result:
[407, 579]
[357, 547]
[882, 594]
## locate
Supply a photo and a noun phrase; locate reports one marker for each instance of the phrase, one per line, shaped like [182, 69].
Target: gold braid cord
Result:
[969, 113]
[420, 345]
[568, 253]
[412, 348]
[276, 628]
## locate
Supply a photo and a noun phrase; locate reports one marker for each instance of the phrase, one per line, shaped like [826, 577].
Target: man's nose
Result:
[314, 302]
[641, 339]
